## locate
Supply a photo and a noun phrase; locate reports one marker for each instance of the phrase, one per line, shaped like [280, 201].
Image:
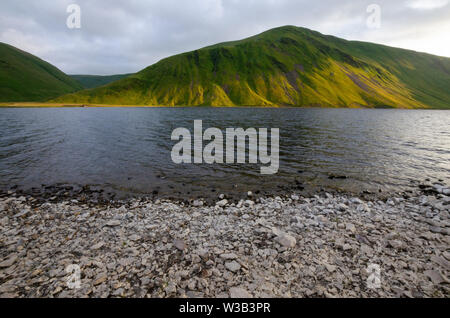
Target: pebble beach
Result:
[326, 245]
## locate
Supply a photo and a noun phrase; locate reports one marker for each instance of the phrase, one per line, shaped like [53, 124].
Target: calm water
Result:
[128, 149]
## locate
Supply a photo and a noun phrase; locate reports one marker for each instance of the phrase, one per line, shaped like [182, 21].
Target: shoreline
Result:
[103, 195]
[296, 246]
[75, 105]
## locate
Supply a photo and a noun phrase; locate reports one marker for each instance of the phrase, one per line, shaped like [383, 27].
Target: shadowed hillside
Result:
[93, 81]
[26, 78]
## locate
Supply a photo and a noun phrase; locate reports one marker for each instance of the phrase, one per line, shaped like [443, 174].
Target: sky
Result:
[117, 36]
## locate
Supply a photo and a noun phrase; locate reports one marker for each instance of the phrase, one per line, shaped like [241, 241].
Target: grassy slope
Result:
[24, 77]
[285, 66]
[93, 81]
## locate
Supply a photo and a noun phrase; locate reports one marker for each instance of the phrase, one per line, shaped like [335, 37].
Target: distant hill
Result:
[93, 81]
[289, 66]
[26, 78]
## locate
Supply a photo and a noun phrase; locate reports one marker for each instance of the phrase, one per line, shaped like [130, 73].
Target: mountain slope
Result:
[93, 81]
[285, 66]
[26, 78]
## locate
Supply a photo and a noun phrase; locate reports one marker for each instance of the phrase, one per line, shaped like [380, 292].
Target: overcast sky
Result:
[119, 36]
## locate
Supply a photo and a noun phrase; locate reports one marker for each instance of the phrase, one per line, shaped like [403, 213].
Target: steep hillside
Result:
[285, 66]
[26, 78]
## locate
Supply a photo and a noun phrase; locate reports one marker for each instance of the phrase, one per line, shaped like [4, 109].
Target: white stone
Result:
[228, 256]
[198, 203]
[98, 246]
[222, 203]
[135, 238]
[233, 266]
[237, 292]
[113, 223]
[350, 227]
[286, 240]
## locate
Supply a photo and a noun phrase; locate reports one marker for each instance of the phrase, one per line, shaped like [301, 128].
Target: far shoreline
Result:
[73, 105]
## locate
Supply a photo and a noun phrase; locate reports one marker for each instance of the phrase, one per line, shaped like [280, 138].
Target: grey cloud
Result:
[126, 36]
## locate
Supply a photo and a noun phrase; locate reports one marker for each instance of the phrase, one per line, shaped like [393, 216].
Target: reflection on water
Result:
[128, 149]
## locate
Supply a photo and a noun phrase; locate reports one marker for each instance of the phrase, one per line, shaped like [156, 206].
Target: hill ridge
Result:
[285, 66]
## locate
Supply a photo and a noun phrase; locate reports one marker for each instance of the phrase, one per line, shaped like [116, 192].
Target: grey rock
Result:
[179, 244]
[435, 276]
[198, 203]
[233, 266]
[9, 262]
[237, 292]
[286, 240]
[135, 237]
[330, 268]
[98, 246]
[350, 228]
[228, 256]
[113, 223]
[222, 203]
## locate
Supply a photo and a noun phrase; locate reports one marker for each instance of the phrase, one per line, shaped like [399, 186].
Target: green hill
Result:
[93, 81]
[289, 66]
[26, 78]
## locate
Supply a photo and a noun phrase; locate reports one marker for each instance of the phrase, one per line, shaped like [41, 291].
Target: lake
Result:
[128, 150]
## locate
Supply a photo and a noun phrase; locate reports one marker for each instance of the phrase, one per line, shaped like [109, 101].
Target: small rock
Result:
[194, 294]
[330, 268]
[100, 279]
[435, 277]
[198, 203]
[180, 245]
[233, 266]
[350, 228]
[249, 203]
[9, 262]
[22, 213]
[229, 256]
[113, 223]
[398, 245]
[347, 247]
[222, 203]
[286, 240]
[98, 246]
[356, 201]
[236, 292]
[4, 221]
[135, 238]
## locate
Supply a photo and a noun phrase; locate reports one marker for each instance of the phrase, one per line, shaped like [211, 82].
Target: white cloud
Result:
[427, 4]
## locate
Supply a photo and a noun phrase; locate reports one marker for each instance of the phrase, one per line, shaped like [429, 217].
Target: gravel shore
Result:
[328, 245]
